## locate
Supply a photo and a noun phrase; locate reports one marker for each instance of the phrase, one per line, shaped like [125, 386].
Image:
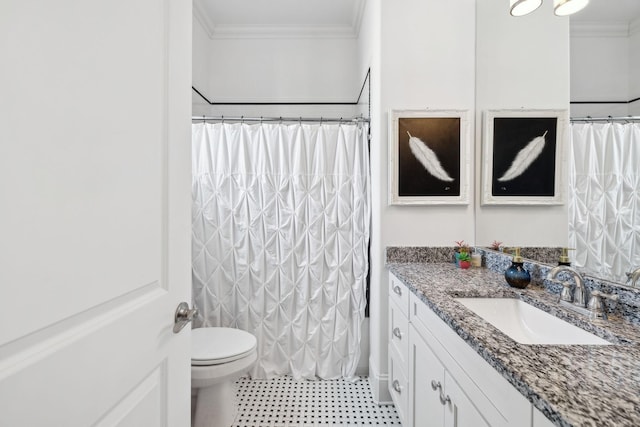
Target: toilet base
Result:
[216, 406]
[216, 391]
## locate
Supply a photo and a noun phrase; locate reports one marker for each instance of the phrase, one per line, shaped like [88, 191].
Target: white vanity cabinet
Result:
[437, 379]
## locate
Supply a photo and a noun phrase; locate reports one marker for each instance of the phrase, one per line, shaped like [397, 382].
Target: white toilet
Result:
[219, 356]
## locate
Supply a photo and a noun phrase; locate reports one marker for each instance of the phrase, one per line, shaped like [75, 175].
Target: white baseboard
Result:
[379, 385]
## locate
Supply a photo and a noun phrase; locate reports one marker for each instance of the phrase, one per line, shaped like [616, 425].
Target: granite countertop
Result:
[573, 385]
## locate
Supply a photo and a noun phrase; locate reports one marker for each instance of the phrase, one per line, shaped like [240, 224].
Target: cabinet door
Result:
[459, 411]
[425, 407]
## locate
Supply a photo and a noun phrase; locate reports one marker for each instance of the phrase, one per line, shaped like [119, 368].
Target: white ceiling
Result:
[237, 18]
[341, 18]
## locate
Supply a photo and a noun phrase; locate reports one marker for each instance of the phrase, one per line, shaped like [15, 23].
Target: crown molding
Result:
[599, 29]
[358, 13]
[351, 31]
[281, 32]
[203, 19]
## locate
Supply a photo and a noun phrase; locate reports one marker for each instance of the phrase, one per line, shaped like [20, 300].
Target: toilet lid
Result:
[213, 346]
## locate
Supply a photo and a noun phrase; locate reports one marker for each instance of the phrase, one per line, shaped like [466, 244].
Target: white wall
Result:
[369, 58]
[200, 67]
[276, 68]
[521, 63]
[599, 69]
[425, 59]
[605, 65]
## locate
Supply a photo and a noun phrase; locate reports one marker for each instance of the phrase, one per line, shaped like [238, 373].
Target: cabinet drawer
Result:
[399, 294]
[398, 332]
[398, 385]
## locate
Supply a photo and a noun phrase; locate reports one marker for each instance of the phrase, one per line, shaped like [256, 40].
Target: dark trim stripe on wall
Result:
[606, 102]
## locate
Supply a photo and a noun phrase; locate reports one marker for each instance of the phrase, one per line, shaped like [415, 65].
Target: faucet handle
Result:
[565, 294]
[633, 276]
[597, 309]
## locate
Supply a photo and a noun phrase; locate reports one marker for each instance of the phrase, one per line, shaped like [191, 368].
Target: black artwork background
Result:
[442, 135]
[510, 135]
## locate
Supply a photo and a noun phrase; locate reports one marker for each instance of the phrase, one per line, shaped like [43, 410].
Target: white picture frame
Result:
[436, 170]
[522, 157]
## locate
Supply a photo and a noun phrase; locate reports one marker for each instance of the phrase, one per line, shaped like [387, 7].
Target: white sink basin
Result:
[527, 324]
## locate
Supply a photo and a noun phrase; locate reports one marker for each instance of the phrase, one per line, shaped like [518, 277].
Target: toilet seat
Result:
[217, 345]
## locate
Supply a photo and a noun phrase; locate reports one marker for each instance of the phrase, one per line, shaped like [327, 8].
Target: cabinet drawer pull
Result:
[444, 400]
[436, 385]
[396, 386]
[397, 290]
[397, 333]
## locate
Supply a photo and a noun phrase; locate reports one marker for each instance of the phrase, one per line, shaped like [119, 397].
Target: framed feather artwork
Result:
[522, 157]
[429, 158]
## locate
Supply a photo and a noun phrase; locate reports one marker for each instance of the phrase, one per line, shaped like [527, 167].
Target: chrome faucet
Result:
[633, 276]
[579, 296]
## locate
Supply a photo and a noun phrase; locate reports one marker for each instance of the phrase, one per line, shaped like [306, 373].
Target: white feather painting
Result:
[522, 157]
[428, 158]
[525, 157]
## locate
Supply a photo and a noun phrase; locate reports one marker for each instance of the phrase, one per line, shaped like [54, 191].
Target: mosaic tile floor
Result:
[285, 402]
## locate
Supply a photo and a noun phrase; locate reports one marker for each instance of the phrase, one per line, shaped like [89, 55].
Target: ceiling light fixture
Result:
[568, 7]
[523, 7]
[560, 7]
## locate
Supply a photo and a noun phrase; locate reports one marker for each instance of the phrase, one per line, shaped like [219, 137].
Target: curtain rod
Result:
[279, 119]
[606, 119]
[356, 102]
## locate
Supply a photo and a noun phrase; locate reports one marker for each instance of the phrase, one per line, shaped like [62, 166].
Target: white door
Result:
[94, 212]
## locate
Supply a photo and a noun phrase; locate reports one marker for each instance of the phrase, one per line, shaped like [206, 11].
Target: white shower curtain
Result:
[604, 198]
[280, 240]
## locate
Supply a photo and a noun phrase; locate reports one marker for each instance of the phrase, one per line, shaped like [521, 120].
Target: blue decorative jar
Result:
[516, 275]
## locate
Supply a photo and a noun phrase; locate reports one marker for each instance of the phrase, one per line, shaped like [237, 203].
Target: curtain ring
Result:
[280, 119]
[204, 120]
[222, 120]
[241, 120]
[300, 120]
[260, 119]
[320, 120]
